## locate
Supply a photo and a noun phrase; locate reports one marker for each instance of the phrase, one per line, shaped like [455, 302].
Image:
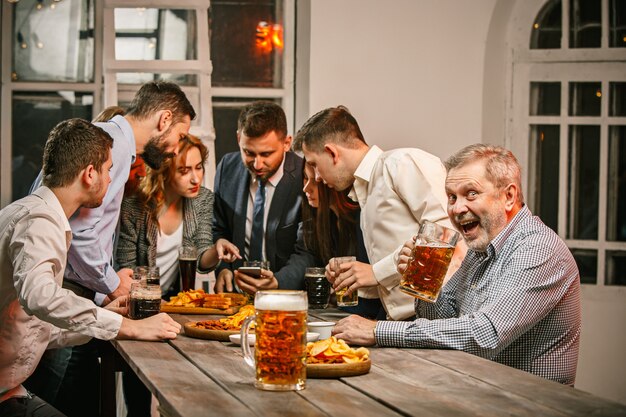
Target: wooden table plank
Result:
[328, 314]
[225, 365]
[336, 398]
[181, 388]
[551, 394]
[445, 385]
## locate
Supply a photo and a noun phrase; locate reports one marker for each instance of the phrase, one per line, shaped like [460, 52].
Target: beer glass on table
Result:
[144, 300]
[344, 300]
[317, 287]
[154, 276]
[429, 261]
[279, 358]
[187, 264]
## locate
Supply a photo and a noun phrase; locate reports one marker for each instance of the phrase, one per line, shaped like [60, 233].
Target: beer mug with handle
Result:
[279, 358]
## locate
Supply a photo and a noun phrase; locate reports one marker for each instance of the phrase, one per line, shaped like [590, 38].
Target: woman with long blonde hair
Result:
[171, 209]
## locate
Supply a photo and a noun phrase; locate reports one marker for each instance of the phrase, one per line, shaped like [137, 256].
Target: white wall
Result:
[410, 71]
[433, 74]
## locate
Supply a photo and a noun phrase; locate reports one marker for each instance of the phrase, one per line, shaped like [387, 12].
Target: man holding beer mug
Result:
[516, 297]
[397, 190]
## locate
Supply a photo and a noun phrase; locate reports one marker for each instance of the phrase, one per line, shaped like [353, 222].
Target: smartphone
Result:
[253, 271]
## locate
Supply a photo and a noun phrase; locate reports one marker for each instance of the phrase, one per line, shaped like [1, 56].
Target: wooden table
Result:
[194, 377]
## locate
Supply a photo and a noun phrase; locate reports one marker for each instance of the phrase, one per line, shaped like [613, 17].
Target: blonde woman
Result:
[172, 209]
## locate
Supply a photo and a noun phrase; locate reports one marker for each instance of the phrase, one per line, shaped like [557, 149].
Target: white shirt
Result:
[270, 187]
[34, 238]
[396, 191]
[167, 256]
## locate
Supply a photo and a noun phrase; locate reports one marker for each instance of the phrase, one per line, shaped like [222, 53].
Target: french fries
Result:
[333, 350]
[198, 298]
[227, 323]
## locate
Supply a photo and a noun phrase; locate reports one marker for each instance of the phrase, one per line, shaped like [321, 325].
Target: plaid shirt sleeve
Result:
[512, 304]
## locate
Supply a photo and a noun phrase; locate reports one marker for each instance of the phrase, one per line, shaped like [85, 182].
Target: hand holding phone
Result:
[253, 271]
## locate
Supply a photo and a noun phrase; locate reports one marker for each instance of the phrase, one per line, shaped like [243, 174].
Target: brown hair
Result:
[334, 125]
[108, 113]
[330, 229]
[161, 95]
[72, 146]
[260, 118]
[501, 166]
[152, 186]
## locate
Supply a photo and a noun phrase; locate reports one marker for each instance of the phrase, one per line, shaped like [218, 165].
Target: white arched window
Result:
[568, 125]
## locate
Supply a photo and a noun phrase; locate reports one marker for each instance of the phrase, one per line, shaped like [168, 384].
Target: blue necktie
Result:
[257, 235]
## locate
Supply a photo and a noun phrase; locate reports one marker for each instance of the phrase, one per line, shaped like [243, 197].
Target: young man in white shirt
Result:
[396, 190]
[36, 311]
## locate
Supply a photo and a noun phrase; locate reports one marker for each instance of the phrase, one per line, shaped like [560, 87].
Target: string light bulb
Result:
[39, 4]
[38, 42]
[21, 41]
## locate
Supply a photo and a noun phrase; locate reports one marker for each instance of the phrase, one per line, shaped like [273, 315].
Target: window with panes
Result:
[72, 58]
[575, 116]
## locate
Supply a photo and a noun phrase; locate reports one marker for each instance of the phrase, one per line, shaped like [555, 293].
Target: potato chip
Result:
[321, 346]
[233, 322]
[198, 298]
[333, 350]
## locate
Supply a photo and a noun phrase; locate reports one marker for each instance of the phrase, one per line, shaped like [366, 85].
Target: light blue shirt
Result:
[90, 258]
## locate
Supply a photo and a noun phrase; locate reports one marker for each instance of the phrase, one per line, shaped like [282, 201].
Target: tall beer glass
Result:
[429, 262]
[187, 263]
[280, 348]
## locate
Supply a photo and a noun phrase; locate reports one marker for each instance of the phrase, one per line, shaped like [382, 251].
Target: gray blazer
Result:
[284, 246]
[138, 231]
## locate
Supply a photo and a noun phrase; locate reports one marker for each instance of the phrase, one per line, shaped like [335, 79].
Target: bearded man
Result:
[258, 194]
[158, 116]
[515, 298]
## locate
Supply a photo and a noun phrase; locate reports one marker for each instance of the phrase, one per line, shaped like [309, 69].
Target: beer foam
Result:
[283, 301]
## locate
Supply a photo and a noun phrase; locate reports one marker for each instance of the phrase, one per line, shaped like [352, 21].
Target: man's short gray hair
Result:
[501, 165]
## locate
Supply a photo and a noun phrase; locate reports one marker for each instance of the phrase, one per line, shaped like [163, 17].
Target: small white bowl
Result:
[236, 338]
[324, 328]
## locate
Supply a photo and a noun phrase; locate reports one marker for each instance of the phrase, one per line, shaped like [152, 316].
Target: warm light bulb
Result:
[536, 25]
[53, 6]
[39, 5]
[598, 93]
[23, 45]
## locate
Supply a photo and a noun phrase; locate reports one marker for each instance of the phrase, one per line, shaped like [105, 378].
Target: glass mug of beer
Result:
[429, 261]
[187, 263]
[144, 300]
[280, 347]
[317, 287]
[344, 300]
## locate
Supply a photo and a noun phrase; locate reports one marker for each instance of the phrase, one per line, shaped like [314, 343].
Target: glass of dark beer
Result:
[153, 275]
[187, 263]
[317, 287]
[144, 300]
[429, 261]
[279, 358]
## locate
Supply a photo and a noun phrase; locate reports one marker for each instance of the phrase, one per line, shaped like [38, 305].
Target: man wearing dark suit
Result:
[258, 194]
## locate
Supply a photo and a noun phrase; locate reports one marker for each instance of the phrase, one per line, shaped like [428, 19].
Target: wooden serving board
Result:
[199, 333]
[199, 310]
[337, 370]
